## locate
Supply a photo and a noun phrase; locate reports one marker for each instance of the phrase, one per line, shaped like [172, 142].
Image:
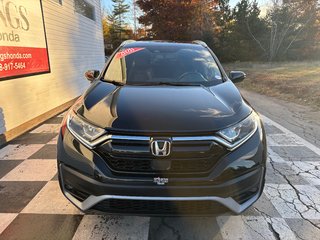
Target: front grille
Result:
[160, 207]
[134, 157]
[177, 166]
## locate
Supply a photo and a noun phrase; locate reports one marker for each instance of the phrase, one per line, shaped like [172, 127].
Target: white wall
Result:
[75, 45]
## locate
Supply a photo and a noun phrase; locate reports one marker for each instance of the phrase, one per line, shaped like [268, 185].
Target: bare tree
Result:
[287, 21]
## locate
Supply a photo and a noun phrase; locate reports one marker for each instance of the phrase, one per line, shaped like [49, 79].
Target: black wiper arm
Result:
[177, 84]
[114, 82]
[165, 83]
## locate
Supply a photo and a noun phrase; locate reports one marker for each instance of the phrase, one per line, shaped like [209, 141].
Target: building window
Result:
[84, 8]
[58, 1]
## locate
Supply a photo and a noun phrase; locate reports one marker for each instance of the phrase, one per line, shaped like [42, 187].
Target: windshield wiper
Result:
[114, 82]
[178, 84]
[168, 84]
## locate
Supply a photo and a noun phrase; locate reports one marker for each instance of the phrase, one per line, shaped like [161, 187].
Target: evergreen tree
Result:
[289, 31]
[223, 23]
[118, 16]
[235, 28]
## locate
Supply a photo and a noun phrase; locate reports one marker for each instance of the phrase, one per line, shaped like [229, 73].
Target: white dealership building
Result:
[45, 48]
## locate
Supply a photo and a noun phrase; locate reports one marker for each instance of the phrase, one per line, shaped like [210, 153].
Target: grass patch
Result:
[297, 82]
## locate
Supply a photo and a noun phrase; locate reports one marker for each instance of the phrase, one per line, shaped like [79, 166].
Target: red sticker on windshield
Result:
[127, 52]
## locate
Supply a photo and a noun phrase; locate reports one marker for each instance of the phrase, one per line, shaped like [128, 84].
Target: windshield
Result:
[176, 64]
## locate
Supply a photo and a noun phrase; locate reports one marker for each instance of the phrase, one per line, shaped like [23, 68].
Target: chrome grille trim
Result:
[217, 139]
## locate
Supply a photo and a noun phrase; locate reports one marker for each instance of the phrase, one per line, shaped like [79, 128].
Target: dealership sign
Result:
[23, 46]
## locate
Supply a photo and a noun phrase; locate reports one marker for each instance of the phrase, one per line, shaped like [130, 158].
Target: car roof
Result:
[161, 43]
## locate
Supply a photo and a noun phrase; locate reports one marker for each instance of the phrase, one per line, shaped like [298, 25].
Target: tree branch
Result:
[254, 38]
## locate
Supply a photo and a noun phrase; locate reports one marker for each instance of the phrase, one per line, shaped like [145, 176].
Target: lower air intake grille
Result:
[160, 207]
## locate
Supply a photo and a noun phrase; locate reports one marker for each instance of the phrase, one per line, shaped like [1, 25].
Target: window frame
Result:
[80, 13]
[57, 2]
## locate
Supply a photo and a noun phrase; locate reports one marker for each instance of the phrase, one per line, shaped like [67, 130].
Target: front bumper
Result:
[82, 183]
[235, 183]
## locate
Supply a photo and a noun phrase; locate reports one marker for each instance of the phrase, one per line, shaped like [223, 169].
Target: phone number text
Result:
[12, 66]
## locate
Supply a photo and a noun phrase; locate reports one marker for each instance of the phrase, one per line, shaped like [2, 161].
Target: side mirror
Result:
[92, 75]
[237, 76]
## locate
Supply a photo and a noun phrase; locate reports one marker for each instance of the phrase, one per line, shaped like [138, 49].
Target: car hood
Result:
[163, 109]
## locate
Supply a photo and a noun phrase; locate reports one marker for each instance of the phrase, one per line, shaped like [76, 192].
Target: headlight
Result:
[83, 131]
[241, 131]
